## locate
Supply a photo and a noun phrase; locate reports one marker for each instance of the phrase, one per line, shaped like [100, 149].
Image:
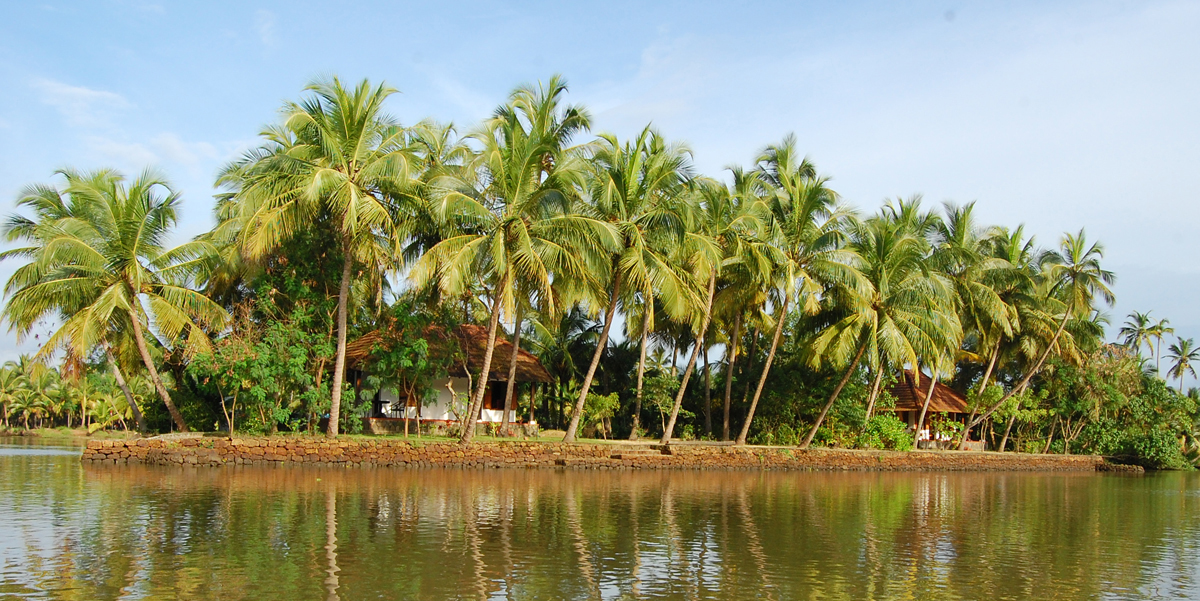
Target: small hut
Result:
[471, 341]
[947, 403]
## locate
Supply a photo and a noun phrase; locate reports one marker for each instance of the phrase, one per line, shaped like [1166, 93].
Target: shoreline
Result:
[517, 454]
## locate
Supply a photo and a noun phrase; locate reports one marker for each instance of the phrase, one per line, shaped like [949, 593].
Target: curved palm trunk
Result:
[925, 406]
[691, 365]
[1007, 429]
[707, 392]
[987, 374]
[124, 386]
[762, 380]
[733, 347]
[477, 402]
[1028, 376]
[339, 363]
[874, 392]
[577, 412]
[812, 433]
[1050, 438]
[641, 373]
[144, 351]
[509, 401]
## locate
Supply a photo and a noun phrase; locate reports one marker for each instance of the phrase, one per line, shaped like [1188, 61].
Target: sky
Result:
[1057, 115]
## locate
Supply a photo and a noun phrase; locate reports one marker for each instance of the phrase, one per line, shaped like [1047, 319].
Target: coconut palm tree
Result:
[1182, 355]
[336, 153]
[99, 264]
[1138, 331]
[637, 190]
[749, 262]
[905, 314]
[508, 219]
[1158, 332]
[1074, 280]
[806, 223]
[11, 383]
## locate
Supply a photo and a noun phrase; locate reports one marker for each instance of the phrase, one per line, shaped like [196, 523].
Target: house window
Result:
[493, 397]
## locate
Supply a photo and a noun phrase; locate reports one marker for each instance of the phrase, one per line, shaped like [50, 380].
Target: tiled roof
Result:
[910, 395]
[472, 340]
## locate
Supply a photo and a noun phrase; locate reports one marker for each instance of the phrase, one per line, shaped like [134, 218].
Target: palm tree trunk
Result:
[1050, 438]
[928, 397]
[691, 365]
[707, 392]
[339, 363]
[1028, 376]
[833, 397]
[120, 378]
[874, 391]
[577, 412]
[762, 380]
[641, 373]
[1007, 429]
[509, 401]
[987, 374]
[477, 402]
[732, 352]
[154, 377]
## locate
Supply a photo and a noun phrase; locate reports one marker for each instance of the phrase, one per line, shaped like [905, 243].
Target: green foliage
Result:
[265, 373]
[599, 409]
[413, 350]
[886, 431]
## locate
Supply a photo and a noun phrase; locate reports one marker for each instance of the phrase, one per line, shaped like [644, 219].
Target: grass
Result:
[67, 434]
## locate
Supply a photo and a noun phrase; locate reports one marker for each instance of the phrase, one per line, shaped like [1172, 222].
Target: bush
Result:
[1156, 450]
[886, 431]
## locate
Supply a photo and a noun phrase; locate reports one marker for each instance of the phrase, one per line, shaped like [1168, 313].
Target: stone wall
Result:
[392, 452]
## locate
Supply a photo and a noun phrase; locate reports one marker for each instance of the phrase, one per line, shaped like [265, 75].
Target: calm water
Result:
[74, 532]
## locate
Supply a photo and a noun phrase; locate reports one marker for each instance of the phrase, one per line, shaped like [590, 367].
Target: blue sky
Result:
[1059, 115]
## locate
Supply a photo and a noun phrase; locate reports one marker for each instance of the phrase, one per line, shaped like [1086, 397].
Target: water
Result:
[69, 531]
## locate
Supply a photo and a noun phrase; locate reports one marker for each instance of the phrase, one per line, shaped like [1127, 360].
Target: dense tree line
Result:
[757, 306]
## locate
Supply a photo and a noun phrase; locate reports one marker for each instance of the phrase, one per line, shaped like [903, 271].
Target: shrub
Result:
[886, 431]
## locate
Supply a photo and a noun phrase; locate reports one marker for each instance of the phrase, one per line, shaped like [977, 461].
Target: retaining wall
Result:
[391, 452]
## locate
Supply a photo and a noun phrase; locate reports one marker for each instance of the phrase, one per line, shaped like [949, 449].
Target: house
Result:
[390, 410]
[910, 392]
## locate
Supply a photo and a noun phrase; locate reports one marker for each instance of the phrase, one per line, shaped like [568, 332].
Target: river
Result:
[69, 531]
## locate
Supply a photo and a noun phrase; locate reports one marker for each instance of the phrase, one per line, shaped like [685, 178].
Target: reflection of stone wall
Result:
[412, 453]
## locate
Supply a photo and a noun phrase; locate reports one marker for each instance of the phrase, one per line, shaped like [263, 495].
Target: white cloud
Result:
[80, 106]
[471, 101]
[163, 149]
[264, 23]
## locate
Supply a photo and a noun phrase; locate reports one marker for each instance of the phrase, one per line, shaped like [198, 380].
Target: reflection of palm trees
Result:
[471, 520]
[331, 581]
[753, 544]
[586, 569]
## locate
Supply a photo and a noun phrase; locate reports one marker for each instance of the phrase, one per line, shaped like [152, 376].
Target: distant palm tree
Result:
[1158, 332]
[1182, 355]
[1138, 331]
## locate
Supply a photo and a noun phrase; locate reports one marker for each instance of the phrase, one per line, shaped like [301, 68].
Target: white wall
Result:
[440, 408]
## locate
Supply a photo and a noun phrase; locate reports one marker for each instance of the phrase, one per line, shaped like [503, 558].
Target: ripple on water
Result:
[147, 532]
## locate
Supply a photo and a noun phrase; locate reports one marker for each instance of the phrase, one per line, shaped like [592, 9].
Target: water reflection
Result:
[69, 532]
